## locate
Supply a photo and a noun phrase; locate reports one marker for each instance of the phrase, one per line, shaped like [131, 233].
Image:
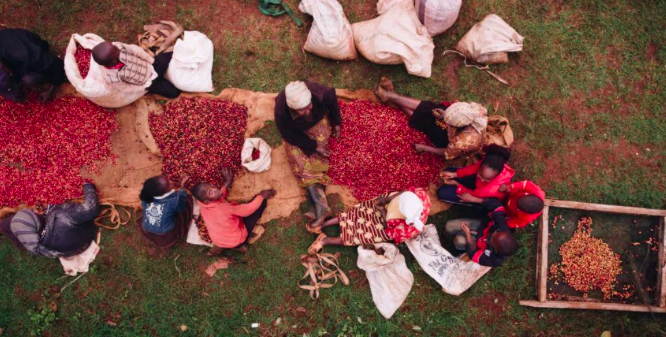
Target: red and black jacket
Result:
[482, 253]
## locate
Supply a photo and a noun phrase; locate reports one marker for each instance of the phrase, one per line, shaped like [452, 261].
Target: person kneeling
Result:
[65, 230]
[488, 243]
[167, 213]
[228, 224]
[396, 217]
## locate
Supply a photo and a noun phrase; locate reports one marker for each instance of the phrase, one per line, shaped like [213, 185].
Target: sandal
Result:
[313, 230]
[318, 245]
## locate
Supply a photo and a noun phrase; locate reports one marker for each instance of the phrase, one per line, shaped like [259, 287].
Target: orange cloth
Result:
[224, 220]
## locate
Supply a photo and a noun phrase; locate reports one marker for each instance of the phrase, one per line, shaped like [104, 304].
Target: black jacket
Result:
[69, 227]
[324, 104]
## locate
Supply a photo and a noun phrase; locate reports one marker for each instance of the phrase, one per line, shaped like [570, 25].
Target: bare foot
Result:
[381, 94]
[47, 95]
[386, 84]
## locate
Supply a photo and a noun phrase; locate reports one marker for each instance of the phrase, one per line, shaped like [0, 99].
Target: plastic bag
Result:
[389, 278]
[331, 34]
[396, 37]
[489, 41]
[191, 67]
[438, 15]
[94, 86]
[260, 164]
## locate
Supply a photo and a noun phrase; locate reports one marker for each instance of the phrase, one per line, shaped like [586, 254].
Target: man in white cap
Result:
[307, 114]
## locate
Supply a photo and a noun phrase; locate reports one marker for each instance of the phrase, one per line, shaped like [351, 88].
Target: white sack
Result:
[396, 37]
[384, 5]
[453, 274]
[94, 86]
[438, 15]
[489, 41]
[191, 67]
[263, 163]
[80, 263]
[389, 278]
[331, 34]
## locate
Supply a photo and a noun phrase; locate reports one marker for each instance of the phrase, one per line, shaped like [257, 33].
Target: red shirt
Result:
[224, 220]
[516, 217]
[485, 189]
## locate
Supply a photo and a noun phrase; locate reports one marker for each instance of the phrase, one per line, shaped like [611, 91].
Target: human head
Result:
[530, 203]
[493, 163]
[154, 187]
[106, 54]
[461, 114]
[206, 193]
[299, 98]
[504, 243]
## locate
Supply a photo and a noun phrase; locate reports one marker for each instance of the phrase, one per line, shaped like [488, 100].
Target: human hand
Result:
[419, 148]
[465, 229]
[446, 175]
[336, 131]
[503, 188]
[323, 152]
[451, 182]
[268, 194]
[227, 175]
[183, 180]
[469, 198]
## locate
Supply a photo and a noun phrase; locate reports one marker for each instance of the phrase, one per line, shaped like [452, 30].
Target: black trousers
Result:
[161, 85]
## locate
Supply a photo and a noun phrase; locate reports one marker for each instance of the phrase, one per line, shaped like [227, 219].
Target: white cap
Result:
[411, 207]
[298, 95]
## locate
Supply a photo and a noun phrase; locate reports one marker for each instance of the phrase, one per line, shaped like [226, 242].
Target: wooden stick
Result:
[661, 277]
[605, 208]
[542, 256]
[593, 306]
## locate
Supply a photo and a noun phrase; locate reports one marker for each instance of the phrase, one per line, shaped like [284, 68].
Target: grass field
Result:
[586, 103]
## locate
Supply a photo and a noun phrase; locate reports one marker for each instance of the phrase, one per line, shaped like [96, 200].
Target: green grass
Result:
[586, 105]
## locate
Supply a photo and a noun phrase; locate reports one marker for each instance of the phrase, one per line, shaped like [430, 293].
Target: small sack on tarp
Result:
[453, 274]
[438, 15]
[389, 278]
[396, 37]
[260, 164]
[94, 87]
[489, 41]
[191, 67]
[331, 34]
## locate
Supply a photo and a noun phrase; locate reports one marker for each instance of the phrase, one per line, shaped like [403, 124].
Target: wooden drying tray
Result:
[542, 260]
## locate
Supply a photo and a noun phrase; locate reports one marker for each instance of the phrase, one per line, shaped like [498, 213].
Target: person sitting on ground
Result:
[307, 114]
[130, 65]
[228, 224]
[396, 217]
[523, 202]
[481, 180]
[65, 230]
[167, 213]
[26, 62]
[456, 129]
[488, 243]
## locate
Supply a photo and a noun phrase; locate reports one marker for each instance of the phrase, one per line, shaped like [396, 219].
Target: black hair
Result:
[496, 157]
[506, 244]
[152, 188]
[199, 191]
[530, 204]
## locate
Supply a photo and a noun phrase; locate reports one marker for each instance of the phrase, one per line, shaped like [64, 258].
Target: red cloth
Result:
[516, 217]
[399, 230]
[224, 220]
[485, 189]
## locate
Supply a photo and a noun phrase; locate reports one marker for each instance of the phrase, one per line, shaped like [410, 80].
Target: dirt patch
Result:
[597, 159]
[451, 74]
[490, 307]
[651, 52]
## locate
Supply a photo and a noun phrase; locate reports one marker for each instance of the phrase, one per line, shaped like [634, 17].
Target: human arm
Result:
[249, 208]
[86, 211]
[228, 176]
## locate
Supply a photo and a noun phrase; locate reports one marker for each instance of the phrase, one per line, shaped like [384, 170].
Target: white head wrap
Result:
[411, 207]
[298, 95]
[461, 114]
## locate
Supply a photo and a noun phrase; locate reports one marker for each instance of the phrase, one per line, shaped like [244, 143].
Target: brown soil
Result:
[651, 52]
[597, 159]
[490, 307]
